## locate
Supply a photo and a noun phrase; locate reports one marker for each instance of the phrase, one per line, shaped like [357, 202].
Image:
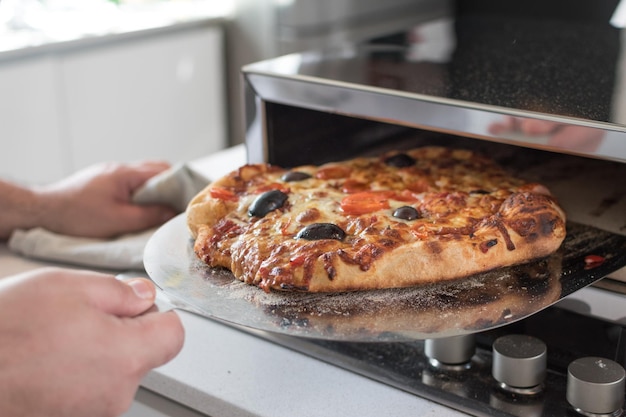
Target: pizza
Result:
[400, 219]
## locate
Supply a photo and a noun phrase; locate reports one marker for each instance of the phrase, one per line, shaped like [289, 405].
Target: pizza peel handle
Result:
[470, 305]
[163, 301]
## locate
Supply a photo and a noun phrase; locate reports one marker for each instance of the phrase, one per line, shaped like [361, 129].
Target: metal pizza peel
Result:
[469, 305]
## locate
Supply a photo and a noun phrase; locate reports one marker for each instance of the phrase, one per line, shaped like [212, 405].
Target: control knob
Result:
[519, 363]
[450, 353]
[596, 386]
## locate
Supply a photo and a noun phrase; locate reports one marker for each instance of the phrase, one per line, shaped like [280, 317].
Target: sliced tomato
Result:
[406, 195]
[592, 261]
[272, 186]
[418, 186]
[223, 194]
[366, 202]
[333, 172]
[351, 186]
[297, 260]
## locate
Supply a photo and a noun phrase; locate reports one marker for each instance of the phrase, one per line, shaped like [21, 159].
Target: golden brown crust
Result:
[472, 218]
[470, 304]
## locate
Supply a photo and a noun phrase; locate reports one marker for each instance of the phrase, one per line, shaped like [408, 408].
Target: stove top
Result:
[470, 386]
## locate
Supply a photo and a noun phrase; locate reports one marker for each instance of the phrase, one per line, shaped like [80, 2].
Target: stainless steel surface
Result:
[462, 75]
[519, 361]
[460, 307]
[417, 110]
[596, 385]
[473, 390]
[450, 351]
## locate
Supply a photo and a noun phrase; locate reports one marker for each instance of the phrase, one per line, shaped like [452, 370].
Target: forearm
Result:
[20, 208]
[95, 202]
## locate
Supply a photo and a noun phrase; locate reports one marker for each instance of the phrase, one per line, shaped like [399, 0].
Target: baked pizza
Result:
[403, 218]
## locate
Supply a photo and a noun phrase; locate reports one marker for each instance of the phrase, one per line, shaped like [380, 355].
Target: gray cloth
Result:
[123, 253]
[175, 187]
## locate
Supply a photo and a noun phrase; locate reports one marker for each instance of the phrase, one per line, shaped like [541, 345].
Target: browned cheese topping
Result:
[282, 221]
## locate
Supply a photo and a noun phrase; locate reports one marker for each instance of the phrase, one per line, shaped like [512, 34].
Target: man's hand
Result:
[76, 343]
[96, 202]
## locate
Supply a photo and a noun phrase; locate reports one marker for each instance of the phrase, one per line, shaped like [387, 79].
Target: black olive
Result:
[295, 176]
[319, 231]
[479, 192]
[406, 213]
[400, 160]
[266, 202]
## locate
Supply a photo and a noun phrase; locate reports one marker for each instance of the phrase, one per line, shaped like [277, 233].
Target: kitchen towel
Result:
[175, 187]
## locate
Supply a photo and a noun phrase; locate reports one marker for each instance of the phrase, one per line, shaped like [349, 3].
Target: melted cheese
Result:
[453, 191]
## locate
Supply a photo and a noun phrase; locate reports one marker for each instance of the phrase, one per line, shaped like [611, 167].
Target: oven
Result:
[541, 87]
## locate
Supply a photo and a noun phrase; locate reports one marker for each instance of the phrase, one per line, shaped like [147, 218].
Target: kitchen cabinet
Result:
[158, 97]
[31, 143]
[158, 94]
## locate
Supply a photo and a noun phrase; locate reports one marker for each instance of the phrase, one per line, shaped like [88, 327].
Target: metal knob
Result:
[519, 363]
[450, 353]
[595, 385]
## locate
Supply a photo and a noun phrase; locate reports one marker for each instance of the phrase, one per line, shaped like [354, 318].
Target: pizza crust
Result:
[482, 301]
